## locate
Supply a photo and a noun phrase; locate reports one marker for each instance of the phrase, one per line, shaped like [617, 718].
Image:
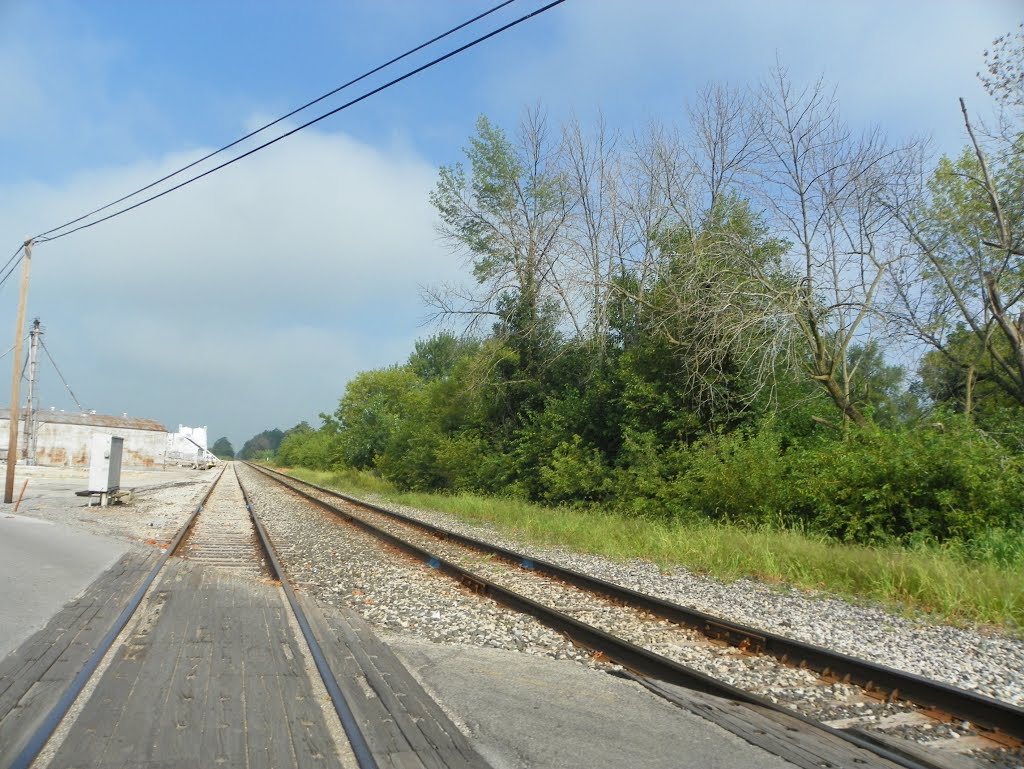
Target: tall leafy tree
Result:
[223, 449]
[967, 277]
[262, 445]
[371, 412]
[506, 216]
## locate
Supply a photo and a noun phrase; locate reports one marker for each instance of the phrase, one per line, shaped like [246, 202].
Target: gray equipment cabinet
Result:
[105, 465]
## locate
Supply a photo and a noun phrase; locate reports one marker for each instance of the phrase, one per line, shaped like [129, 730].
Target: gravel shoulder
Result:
[162, 501]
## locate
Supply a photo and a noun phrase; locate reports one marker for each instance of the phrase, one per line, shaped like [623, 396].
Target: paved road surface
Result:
[42, 566]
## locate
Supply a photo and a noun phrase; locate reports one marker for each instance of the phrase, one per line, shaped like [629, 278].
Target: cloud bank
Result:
[242, 302]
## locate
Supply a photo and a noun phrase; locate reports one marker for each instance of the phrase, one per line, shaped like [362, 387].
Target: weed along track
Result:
[659, 641]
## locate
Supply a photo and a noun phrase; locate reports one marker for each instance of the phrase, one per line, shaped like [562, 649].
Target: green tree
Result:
[371, 411]
[507, 216]
[302, 446]
[879, 388]
[223, 449]
[963, 295]
[713, 308]
[437, 357]
[262, 446]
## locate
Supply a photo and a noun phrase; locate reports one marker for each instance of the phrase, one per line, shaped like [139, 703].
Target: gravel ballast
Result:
[986, 663]
[837, 703]
[341, 566]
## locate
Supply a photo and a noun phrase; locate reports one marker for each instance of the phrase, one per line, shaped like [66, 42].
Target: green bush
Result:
[742, 477]
[925, 483]
[917, 486]
[641, 478]
[576, 472]
[468, 462]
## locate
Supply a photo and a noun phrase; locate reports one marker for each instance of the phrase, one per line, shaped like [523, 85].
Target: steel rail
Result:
[889, 683]
[625, 653]
[357, 741]
[52, 720]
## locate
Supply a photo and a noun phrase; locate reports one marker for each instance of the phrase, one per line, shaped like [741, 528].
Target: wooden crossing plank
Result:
[267, 741]
[114, 725]
[36, 675]
[779, 734]
[213, 675]
[37, 668]
[416, 731]
[424, 715]
[311, 743]
[226, 725]
[223, 738]
[63, 625]
[178, 734]
[218, 680]
[103, 599]
[383, 736]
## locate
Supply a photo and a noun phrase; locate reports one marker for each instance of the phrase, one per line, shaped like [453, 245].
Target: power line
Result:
[10, 271]
[66, 385]
[11, 348]
[309, 123]
[13, 257]
[12, 267]
[295, 111]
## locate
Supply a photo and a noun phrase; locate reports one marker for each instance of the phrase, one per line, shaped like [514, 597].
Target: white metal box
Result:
[105, 462]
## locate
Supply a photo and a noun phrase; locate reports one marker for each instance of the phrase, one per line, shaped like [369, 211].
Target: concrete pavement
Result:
[523, 711]
[43, 565]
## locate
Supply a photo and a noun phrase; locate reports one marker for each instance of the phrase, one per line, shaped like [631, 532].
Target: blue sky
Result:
[248, 300]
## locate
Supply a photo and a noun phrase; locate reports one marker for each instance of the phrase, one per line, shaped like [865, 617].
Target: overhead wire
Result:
[62, 379]
[11, 349]
[13, 267]
[432, 63]
[10, 272]
[13, 257]
[284, 117]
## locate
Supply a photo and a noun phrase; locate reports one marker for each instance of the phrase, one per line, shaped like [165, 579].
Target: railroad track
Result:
[223, 532]
[543, 590]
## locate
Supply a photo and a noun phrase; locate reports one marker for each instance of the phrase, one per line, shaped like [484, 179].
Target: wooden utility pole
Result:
[12, 440]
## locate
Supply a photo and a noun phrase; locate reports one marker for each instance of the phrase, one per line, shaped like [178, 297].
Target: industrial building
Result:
[59, 439]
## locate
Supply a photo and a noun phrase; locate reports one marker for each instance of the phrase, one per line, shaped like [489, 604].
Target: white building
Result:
[188, 447]
[62, 440]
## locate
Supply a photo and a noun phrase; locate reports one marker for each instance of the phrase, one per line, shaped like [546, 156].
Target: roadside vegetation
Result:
[757, 343]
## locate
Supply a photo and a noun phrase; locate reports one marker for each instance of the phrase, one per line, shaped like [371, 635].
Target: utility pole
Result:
[12, 439]
[30, 421]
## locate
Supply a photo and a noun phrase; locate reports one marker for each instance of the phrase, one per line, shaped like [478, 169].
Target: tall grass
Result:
[980, 582]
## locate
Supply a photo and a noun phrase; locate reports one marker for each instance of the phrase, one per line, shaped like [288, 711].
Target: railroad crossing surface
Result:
[213, 671]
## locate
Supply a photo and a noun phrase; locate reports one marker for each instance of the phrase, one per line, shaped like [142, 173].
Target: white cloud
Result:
[249, 297]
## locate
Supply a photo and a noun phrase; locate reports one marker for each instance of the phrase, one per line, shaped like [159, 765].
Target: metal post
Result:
[12, 439]
[31, 437]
